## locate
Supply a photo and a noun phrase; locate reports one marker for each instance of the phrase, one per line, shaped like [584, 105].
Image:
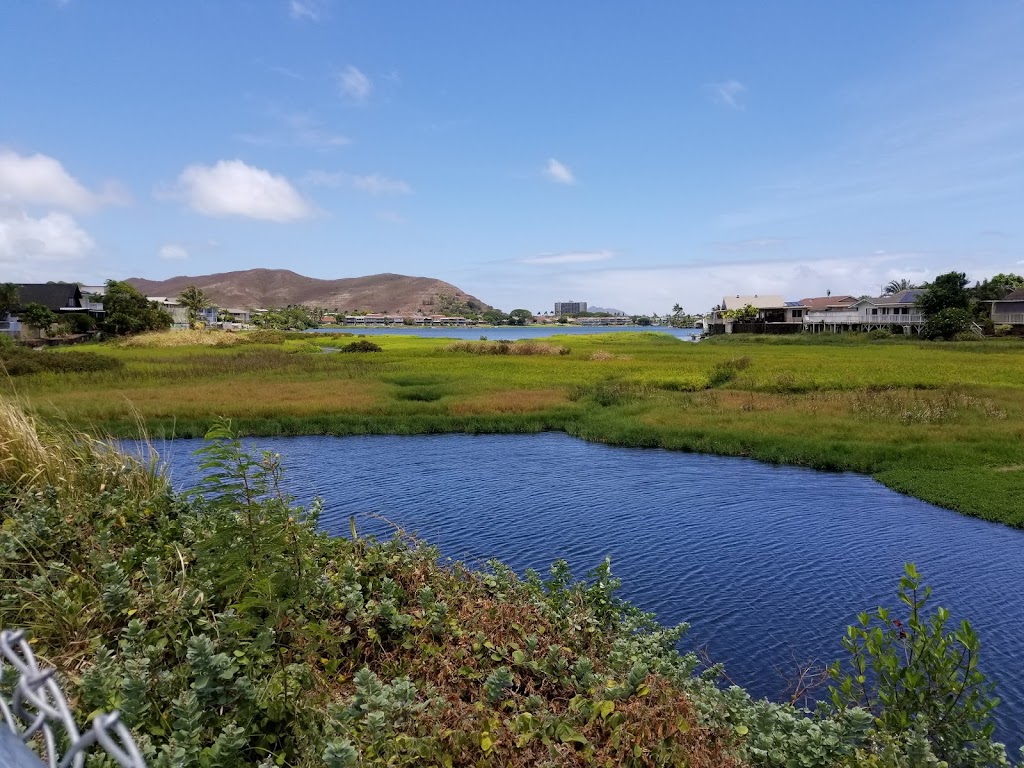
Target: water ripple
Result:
[768, 564]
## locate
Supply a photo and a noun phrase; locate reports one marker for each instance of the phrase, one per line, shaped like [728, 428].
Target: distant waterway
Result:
[768, 564]
[510, 332]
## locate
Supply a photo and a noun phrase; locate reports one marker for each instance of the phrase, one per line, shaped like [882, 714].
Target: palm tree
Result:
[8, 299]
[195, 301]
[897, 286]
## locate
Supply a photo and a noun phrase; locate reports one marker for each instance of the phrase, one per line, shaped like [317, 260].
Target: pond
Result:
[512, 333]
[768, 564]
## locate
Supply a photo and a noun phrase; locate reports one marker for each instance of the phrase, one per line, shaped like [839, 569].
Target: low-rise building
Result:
[1010, 309]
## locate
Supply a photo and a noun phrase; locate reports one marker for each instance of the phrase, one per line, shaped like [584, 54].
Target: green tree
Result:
[520, 317]
[195, 301]
[898, 286]
[642, 320]
[128, 311]
[37, 316]
[946, 323]
[746, 315]
[947, 291]
[9, 298]
[495, 317]
[996, 287]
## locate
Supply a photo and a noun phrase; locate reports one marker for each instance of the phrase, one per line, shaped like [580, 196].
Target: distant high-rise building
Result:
[570, 307]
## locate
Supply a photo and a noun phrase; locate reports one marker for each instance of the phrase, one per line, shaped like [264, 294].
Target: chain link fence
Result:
[37, 727]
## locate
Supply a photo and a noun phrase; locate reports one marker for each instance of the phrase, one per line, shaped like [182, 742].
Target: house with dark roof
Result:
[1010, 309]
[60, 298]
[56, 297]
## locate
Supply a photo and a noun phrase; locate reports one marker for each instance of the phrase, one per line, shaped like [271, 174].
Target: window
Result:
[874, 310]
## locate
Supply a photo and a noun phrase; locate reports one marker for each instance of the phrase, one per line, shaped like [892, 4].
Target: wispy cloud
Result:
[728, 93]
[698, 287]
[375, 184]
[298, 130]
[354, 84]
[318, 178]
[173, 252]
[568, 257]
[946, 134]
[306, 10]
[752, 244]
[559, 172]
[230, 188]
[391, 217]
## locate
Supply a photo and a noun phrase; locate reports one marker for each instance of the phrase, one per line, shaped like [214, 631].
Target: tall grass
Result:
[38, 455]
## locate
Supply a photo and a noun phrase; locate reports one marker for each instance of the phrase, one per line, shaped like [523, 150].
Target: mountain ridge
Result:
[255, 288]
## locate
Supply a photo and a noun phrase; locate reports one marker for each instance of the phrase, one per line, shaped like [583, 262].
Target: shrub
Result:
[21, 362]
[507, 347]
[947, 323]
[265, 337]
[724, 372]
[880, 333]
[79, 322]
[364, 345]
[1003, 329]
[915, 676]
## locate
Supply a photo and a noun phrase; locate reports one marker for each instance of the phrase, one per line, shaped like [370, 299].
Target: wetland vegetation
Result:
[230, 631]
[940, 421]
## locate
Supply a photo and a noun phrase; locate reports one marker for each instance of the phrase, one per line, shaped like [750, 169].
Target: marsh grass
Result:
[937, 420]
[38, 455]
[506, 347]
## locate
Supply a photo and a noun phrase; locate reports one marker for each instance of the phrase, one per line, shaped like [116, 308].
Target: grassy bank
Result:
[940, 421]
[230, 632]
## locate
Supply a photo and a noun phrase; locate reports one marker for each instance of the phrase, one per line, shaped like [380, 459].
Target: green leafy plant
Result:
[915, 675]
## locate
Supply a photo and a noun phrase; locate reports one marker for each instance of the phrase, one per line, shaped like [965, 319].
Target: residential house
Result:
[56, 297]
[832, 314]
[898, 310]
[1010, 309]
[774, 315]
[173, 307]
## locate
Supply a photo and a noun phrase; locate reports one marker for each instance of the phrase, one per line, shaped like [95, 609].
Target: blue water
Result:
[768, 564]
[513, 333]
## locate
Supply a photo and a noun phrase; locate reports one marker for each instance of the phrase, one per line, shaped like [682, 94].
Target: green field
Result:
[940, 421]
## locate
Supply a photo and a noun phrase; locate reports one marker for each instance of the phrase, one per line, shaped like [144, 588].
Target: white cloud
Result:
[354, 84]
[376, 184]
[559, 173]
[306, 10]
[728, 93]
[26, 240]
[173, 252]
[232, 188]
[568, 257]
[42, 180]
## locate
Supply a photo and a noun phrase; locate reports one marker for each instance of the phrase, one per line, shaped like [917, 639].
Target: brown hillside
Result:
[399, 294]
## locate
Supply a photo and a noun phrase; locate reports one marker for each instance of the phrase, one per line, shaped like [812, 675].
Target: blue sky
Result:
[629, 155]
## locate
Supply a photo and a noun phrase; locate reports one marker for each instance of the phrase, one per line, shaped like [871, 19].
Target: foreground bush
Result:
[231, 632]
